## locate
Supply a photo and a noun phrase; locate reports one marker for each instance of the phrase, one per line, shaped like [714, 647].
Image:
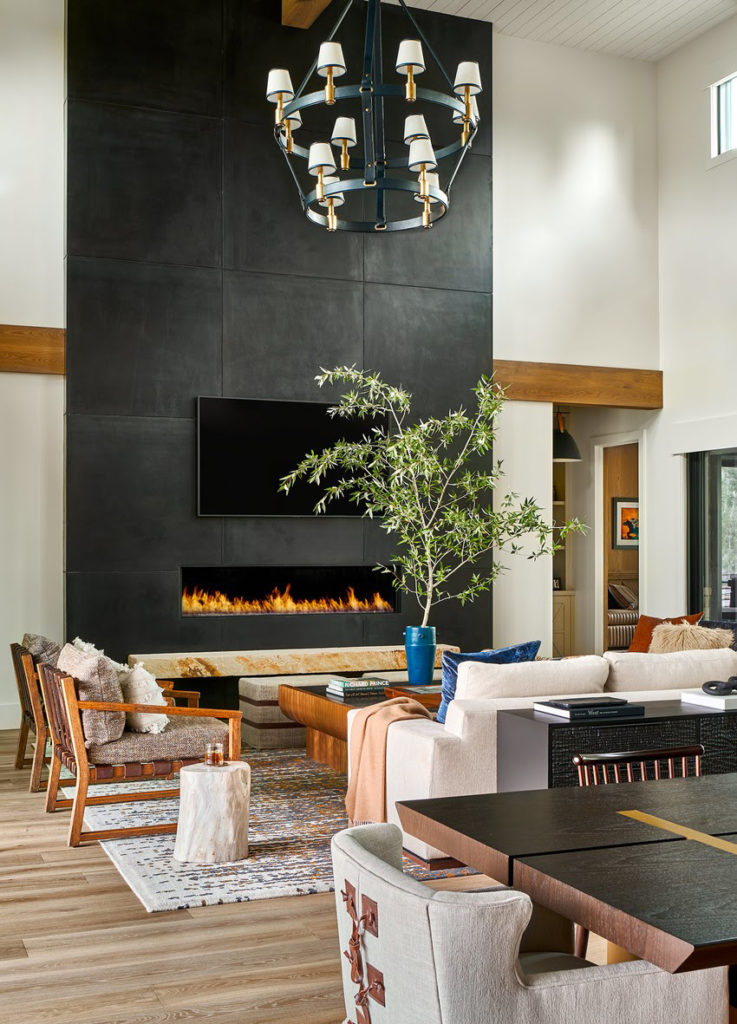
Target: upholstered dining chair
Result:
[134, 756]
[32, 717]
[411, 955]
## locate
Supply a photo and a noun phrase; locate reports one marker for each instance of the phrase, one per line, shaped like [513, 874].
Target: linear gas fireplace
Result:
[287, 590]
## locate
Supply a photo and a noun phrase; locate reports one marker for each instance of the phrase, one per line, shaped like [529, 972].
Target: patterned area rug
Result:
[296, 806]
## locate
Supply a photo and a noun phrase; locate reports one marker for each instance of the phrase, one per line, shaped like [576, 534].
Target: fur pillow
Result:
[683, 636]
[42, 648]
[98, 680]
[647, 623]
[140, 687]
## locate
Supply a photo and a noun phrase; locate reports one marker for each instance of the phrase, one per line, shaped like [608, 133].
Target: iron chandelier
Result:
[416, 175]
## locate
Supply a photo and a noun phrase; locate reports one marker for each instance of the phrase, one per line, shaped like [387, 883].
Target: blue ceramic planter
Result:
[419, 643]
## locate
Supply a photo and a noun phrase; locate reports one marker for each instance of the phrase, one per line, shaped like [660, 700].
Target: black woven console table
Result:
[535, 751]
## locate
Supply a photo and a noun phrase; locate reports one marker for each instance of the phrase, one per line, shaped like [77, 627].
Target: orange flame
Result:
[202, 602]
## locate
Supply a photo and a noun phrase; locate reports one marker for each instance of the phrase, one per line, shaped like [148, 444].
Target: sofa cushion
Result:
[646, 624]
[502, 656]
[533, 678]
[184, 738]
[42, 648]
[722, 624]
[679, 670]
[682, 636]
[140, 687]
[98, 680]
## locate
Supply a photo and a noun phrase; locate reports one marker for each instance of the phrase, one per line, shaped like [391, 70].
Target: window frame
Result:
[718, 155]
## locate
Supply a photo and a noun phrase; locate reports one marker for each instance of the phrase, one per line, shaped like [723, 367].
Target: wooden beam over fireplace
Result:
[569, 384]
[302, 13]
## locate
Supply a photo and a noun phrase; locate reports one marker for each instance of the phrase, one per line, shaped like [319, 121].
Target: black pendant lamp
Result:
[565, 448]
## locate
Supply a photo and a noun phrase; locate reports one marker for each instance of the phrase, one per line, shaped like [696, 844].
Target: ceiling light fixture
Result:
[565, 448]
[415, 176]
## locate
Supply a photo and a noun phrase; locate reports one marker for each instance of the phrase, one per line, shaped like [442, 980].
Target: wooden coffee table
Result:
[326, 717]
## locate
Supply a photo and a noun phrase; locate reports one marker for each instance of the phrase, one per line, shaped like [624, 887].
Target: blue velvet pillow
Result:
[502, 656]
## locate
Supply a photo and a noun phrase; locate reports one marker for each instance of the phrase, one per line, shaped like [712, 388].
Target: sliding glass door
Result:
[713, 533]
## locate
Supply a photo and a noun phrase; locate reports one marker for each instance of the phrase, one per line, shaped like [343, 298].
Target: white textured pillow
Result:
[88, 648]
[630, 670]
[532, 678]
[140, 687]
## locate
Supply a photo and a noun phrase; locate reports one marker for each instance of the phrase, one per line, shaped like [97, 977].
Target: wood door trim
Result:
[578, 385]
[302, 13]
[32, 349]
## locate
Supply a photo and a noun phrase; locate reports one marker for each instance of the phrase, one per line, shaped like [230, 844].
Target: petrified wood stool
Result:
[213, 813]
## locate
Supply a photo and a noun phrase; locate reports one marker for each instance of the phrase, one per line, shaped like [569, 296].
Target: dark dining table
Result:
[650, 866]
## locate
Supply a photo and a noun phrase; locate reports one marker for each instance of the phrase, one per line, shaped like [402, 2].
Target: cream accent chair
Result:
[467, 958]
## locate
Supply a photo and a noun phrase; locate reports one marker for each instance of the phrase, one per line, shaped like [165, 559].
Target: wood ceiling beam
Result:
[302, 13]
[32, 349]
[569, 384]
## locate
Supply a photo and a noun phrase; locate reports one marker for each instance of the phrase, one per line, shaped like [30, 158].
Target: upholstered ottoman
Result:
[265, 727]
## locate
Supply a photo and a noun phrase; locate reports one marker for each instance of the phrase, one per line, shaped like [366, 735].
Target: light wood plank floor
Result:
[76, 946]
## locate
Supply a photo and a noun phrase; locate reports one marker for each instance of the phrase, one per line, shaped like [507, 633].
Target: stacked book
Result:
[367, 686]
[720, 701]
[590, 709]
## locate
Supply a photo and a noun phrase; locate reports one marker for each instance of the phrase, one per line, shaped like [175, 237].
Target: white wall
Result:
[698, 299]
[575, 206]
[31, 293]
[575, 269]
[523, 595]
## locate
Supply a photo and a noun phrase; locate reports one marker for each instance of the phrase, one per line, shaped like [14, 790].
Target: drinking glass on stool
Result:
[214, 755]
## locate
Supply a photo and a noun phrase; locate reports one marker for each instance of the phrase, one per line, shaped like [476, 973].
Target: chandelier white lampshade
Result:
[433, 181]
[330, 65]
[344, 136]
[415, 127]
[337, 198]
[330, 59]
[321, 159]
[291, 123]
[468, 76]
[458, 116]
[332, 202]
[381, 179]
[279, 86]
[422, 156]
[410, 57]
[279, 90]
[410, 62]
[320, 163]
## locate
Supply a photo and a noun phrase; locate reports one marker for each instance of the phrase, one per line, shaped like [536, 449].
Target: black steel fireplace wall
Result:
[191, 272]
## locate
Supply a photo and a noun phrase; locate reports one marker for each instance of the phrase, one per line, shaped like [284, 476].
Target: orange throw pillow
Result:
[646, 624]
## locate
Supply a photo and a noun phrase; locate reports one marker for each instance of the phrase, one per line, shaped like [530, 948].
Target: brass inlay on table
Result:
[681, 830]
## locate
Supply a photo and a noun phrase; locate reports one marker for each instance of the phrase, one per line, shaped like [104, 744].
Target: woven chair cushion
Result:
[42, 648]
[97, 677]
[183, 738]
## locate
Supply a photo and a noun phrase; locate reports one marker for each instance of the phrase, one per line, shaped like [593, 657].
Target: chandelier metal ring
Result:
[330, 190]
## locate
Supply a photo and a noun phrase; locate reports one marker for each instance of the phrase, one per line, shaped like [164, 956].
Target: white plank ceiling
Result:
[643, 29]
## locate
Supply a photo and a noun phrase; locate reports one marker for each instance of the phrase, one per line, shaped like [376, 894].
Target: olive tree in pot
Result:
[430, 483]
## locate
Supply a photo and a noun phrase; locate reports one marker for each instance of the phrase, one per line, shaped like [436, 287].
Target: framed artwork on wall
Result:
[625, 523]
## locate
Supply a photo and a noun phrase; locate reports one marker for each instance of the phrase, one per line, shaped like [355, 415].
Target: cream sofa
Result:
[425, 759]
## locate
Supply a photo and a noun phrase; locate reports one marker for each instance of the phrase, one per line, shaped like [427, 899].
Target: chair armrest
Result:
[233, 717]
[192, 697]
[97, 705]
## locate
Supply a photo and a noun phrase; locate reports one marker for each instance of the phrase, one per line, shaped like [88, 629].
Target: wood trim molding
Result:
[302, 13]
[32, 349]
[570, 384]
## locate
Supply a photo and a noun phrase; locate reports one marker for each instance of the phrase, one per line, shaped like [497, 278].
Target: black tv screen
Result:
[245, 446]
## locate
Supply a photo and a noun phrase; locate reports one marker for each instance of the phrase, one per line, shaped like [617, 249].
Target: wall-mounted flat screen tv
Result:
[245, 446]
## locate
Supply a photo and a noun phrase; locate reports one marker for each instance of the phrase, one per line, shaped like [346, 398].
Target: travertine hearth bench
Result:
[259, 674]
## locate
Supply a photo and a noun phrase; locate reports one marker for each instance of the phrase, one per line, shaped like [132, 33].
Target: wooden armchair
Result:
[32, 717]
[134, 756]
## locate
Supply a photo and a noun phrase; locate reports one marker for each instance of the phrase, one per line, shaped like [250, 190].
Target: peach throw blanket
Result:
[366, 796]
